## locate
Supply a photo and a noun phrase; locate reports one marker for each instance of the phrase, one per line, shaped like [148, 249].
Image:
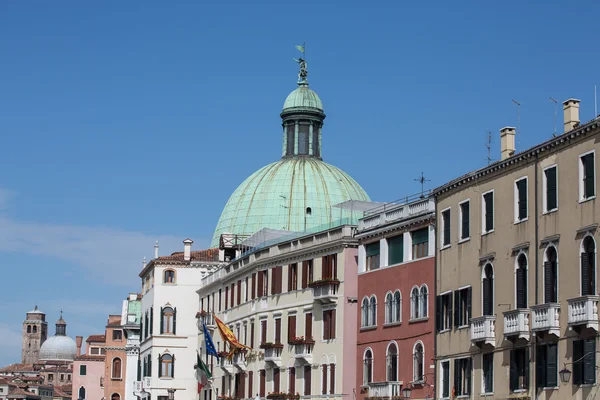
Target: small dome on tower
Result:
[302, 98]
[59, 347]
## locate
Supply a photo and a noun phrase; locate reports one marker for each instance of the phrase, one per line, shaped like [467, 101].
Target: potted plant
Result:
[323, 282]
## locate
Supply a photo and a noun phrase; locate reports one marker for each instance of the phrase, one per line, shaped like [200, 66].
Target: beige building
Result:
[516, 279]
[293, 301]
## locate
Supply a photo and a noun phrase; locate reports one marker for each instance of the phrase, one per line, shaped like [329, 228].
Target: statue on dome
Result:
[303, 71]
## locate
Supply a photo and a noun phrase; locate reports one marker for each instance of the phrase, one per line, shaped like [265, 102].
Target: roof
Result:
[96, 339]
[17, 368]
[21, 392]
[60, 393]
[524, 156]
[198, 256]
[87, 357]
[301, 98]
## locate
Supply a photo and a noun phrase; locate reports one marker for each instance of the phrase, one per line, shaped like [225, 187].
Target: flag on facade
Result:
[300, 48]
[228, 336]
[202, 372]
[210, 346]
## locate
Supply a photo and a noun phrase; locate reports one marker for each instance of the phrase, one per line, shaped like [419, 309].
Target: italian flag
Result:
[202, 372]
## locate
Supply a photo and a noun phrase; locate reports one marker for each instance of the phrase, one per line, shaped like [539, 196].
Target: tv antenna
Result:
[422, 181]
[518, 121]
[555, 103]
[488, 145]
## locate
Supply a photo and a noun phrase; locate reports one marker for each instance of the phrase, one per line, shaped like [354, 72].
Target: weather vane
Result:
[422, 181]
[302, 61]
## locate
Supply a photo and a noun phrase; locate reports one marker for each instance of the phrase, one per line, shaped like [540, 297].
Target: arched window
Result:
[167, 362]
[308, 211]
[365, 312]
[418, 362]
[81, 394]
[373, 312]
[28, 328]
[168, 320]
[423, 299]
[488, 289]
[398, 306]
[392, 362]
[116, 368]
[414, 300]
[588, 267]
[34, 329]
[551, 275]
[115, 396]
[521, 281]
[368, 367]
[169, 276]
[389, 312]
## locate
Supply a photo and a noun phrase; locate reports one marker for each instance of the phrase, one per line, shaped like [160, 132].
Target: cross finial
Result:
[61, 313]
[422, 181]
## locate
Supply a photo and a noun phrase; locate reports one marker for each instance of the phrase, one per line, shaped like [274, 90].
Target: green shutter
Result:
[420, 236]
[372, 249]
[551, 200]
[588, 165]
[396, 250]
[552, 365]
[577, 362]
[540, 364]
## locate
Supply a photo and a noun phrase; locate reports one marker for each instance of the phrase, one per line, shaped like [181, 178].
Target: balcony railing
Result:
[273, 355]
[385, 389]
[304, 352]
[546, 317]
[516, 323]
[583, 311]
[239, 360]
[226, 365]
[483, 330]
[325, 291]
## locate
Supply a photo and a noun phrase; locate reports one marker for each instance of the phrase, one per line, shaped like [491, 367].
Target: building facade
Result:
[516, 277]
[35, 333]
[396, 265]
[169, 333]
[115, 361]
[131, 319]
[89, 369]
[292, 301]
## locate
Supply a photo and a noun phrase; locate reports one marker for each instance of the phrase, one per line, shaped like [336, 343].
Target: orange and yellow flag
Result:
[228, 335]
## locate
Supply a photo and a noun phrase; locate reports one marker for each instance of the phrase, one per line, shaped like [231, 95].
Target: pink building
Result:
[88, 370]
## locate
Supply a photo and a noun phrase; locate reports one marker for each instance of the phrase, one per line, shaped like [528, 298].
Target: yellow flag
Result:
[228, 335]
[301, 48]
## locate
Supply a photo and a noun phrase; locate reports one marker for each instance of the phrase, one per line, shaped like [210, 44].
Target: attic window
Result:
[308, 211]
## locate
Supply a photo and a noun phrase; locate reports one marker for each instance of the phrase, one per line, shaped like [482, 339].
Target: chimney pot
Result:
[571, 113]
[156, 250]
[78, 342]
[187, 249]
[507, 142]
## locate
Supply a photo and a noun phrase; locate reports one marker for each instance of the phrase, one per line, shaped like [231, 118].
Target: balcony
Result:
[303, 350]
[386, 390]
[583, 312]
[272, 352]
[226, 365]
[546, 318]
[239, 360]
[516, 324]
[208, 319]
[483, 330]
[325, 290]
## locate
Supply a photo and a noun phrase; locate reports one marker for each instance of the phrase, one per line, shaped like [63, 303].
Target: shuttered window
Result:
[584, 361]
[521, 284]
[253, 291]
[331, 378]
[324, 378]
[232, 294]
[226, 298]
[547, 366]
[329, 324]
[443, 312]
[291, 328]
[519, 369]
[372, 250]
[263, 376]
[276, 280]
[263, 331]
[551, 189]
[278, 330]
[488, 212]
[462, 376]
[420, 243]
[250, 381]
[252, 334]
[395, 250]
[307, 380]
[551, 276]
[588, 272]
[446, 228]
[292, 380]
[521, 197]
[292, 277]
[488, 290]
[589, 186]
[308, 326]
[239, 292]
[445, 366]
[488, 372]
[462, 307]
[276, 380]
[260, 284]
[465, 231]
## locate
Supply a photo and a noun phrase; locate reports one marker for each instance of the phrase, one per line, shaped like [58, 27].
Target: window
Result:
[587, 183]
[414, 303]
[445, 379]
[420, 243]
[464, 226]
[117, 334]
[167, 362]
[239, 292]
[550, 189]
[81, 394]
[308, 325]
[291, 328]
[392, 362]
[82, 370]
[307, 380]
[588, 264]
[488, 373]
[169, 276]
[547, 366]
[584, 361]
[94, 351]
[263, 331]
[551, 275]
[28, 328]
[488, 289]
[307, 273]
[373, 311]
[50, 378]
[292, 277]
[246, 289]
[365, 312]
[418, 363]
[372, 250]
[329, 324]
[395, 250]
[519, 369]
[116, 368]
[34, 329]
[462, 376]
[446, 228]
[521, 200]
[265, 282]
[444, 312]
[277, 330]
[329, 266]
[423, 294]
[462, 307]
[393, 307]
[276, 280]
[332, 378]
[263, 377]
[168, 320]
[488, 212]
[276, 381]
[521, 281]
[324, 379]
[368, 367]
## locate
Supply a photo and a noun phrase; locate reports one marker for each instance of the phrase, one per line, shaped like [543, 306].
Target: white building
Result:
[130, 318]
[294, 302]
[169, 333]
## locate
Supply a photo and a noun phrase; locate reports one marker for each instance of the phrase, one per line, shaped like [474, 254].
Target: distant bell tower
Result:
[35, 333]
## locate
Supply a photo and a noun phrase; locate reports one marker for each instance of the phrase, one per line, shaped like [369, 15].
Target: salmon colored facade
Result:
[115, 361]
[395, 345]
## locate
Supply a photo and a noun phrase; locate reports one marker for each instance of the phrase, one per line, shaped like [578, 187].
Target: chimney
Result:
[187, 249]
[78, 342]
[156, 250]
[507, 142]
[571, 112]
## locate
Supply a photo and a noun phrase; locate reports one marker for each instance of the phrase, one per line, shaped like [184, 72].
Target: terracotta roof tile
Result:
[17, 367]
[199, 255]
[22, 392]
[96, 338]
[87, 357]
[60, 393]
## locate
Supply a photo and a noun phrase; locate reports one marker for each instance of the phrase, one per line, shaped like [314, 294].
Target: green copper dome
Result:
[303, 97]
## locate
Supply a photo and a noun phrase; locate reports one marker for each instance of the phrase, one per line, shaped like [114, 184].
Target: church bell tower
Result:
[35, 333]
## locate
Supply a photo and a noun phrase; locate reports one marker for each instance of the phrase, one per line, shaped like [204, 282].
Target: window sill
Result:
[166, 378]
[461, 241]
[391, 324]
[446, 246]
[487, 233]
[116, 379]
[169, 283]
[463, 327]
[444, 330]
[463, 396]
[368, 328]
[550, 388]
[486, 394]
[587, 385]
[587, 199]
[417, 320]
[520, 221]
[550, 211]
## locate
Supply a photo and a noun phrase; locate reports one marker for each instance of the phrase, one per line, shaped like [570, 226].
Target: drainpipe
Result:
[435, 273]
[537, 285]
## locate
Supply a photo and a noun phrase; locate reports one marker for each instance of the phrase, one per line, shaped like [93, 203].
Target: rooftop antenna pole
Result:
[488, 145]
[422, 181]
[518, 120]
[595, 103]
[555, 103]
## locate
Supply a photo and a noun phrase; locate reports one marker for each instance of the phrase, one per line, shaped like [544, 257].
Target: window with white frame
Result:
[521, 281]
[443, 320]
[414, 303]
[488, 373]
[365, 312]
[487, 212]
[464, 220]
[587, 181]
[588, 266]
[521, 200]
[445, 379]
[445, 239]
[368, 367]
[550, 275]
[550, 184]
[372, 253]
[373, 311]
[392, 362]
[462, 376]
[423, 294]
[418, 362]
[393, 307]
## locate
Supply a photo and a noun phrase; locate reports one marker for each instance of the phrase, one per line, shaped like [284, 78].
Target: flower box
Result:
[301, 340]
[271, 345]
[323, 282]
[282, 396]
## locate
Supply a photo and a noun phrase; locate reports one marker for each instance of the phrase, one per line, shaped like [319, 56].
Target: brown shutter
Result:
[274, 280]
[226, 296]
[307, 380]
[278, 330]
[232, 294]
[308, 325]
[331, 378]
[263, 331]
[266, 279]
[262, 373]
[332, 324]
[253, 292]
[239, 293]
[260, 284]
[304, 274]
[291, 328]
[289, 287]
[252, 334]
[334, 266]
[324, 267]
[324, 370]
[276, 381]
[250, 379]
[246, 294]
[292, 380]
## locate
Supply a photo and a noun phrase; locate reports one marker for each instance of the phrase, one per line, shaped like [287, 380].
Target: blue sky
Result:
[122, 123]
